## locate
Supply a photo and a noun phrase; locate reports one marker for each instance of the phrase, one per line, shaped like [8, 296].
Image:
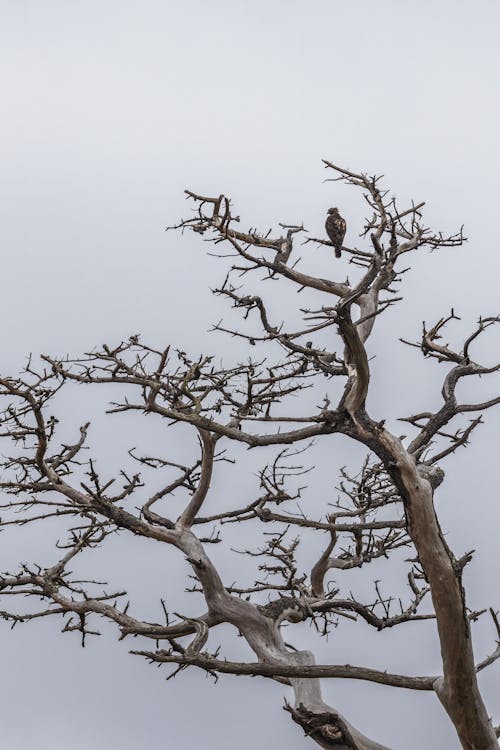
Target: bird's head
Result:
[333, 210]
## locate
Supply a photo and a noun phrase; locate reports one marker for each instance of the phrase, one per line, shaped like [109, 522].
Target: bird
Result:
[335, 228]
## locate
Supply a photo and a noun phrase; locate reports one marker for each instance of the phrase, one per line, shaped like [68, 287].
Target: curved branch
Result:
[189, 514]
[344, 671]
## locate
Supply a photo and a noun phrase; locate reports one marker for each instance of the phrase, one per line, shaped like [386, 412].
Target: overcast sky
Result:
[111, 108]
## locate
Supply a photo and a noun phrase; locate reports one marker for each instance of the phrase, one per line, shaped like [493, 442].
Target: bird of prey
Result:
[335, 228]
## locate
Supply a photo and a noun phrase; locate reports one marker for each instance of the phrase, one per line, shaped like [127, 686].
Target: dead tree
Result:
[386, 506]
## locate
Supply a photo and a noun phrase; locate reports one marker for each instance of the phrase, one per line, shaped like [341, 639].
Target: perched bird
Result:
[335, 228]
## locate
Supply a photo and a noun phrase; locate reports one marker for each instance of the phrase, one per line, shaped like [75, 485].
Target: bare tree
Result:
[388, 505]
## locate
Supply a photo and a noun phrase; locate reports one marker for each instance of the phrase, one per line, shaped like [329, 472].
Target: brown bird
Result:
[335, 228]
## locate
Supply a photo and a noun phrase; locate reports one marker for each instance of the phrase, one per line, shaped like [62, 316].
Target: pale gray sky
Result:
[110, 109]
